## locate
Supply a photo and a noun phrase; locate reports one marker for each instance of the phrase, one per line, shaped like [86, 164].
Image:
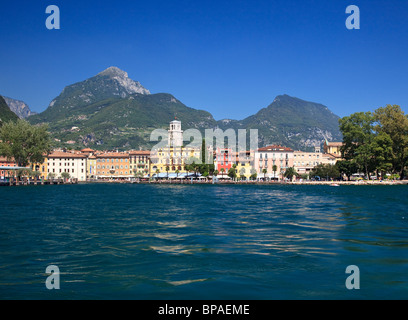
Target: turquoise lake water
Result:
[134, 241]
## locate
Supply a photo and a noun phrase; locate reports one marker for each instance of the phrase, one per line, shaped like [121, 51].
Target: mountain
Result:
[5, 113]
[110, 111]
[291, 122]
[20, 108]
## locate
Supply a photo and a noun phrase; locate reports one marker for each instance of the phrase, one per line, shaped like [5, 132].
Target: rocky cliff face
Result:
[5, 113]
[20, 108]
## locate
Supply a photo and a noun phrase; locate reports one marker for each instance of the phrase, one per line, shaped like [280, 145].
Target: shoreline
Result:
[329, 183]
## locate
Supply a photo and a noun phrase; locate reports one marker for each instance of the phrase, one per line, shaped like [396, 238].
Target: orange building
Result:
[113, 165]
[4, 164]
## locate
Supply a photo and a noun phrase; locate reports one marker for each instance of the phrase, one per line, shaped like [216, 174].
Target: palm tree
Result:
[290, 172]
[215, 173]
[177, 172]
[264, 171]
[167, 170]
[222, 172]
[274, 169]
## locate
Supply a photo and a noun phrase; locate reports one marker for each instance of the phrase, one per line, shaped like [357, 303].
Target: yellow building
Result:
[140, 163]
[244, 165]
[91, 163]
[172, 159]
[333, 148]
[42, 168]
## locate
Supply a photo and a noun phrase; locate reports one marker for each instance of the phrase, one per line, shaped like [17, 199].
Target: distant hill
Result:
[291, 122]
[5, 113]
[20, 108]
[112, 111]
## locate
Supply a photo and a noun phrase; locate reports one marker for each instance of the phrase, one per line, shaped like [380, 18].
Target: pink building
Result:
[270, 156]
[224, 159]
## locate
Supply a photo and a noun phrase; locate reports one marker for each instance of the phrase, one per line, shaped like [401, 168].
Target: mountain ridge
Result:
[110, 110]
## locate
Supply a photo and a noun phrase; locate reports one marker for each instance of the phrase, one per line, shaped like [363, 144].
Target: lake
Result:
[145, 241]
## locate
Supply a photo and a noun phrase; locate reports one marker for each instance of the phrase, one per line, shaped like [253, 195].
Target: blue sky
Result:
[230, 58]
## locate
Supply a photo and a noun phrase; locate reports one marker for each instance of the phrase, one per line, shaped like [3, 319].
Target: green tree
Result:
[24, 142]
[232, 172]
[347, 167]
[274, 169]
[392, 121]
[65, 175]
[254, 175]
[264, 171]
[167, 170]
[325, 171]
[51, 175]
[290, 172]
[358, 136]
[382, 153]
[222, 172]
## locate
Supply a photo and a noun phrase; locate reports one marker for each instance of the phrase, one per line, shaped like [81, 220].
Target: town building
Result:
[140, 163]
[91, 163]
[113, 165]
[272, 161]
[224, 159]
[172, 159]
[175, 134]
[304, 162]
[6, 167]
[72, 162]
[245, 164]
[333, 148]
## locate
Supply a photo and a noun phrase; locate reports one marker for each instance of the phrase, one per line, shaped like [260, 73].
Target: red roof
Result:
[62, 154]
[139, 153]
[275, 148]
[112, 155]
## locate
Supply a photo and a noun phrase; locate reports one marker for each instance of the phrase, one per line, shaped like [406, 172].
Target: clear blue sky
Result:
[230, 58]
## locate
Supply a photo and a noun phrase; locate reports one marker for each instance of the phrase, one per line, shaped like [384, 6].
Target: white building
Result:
[70, 162]
[175, 134]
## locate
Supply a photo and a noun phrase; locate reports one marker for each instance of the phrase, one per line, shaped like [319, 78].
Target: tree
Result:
[51, 175]
[24, 142]
[358, 136]
[274, 169]
[254, 175]
[222, 172]
[65, 175]
[392, 121]
[167, 170]
[24, 172]
[382, 153]
[177, 173]
[327, 171]
[216, 172]
[232, 173]
[264, 171]
[290, 172]
[242, 174]
[347, 167]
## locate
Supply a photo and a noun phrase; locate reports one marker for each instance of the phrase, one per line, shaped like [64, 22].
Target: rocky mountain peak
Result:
[123, 80]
